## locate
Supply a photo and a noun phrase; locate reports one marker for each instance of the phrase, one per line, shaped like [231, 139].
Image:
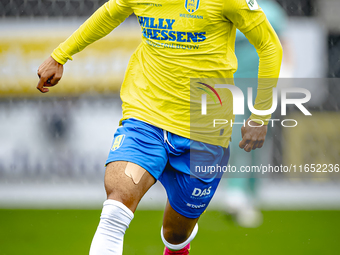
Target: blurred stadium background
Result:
[53, 146]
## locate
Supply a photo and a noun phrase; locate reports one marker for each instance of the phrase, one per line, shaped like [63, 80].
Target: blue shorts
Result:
[168, 158]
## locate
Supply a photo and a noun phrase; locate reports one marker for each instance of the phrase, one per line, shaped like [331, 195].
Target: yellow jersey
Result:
[182, 39]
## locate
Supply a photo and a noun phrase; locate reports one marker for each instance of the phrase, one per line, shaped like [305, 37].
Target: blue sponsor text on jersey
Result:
[161, 29]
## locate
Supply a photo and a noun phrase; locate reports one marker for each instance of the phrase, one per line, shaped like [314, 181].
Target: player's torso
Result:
[181, 39]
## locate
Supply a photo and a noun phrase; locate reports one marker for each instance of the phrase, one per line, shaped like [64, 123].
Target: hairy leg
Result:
[124, 193]
[121, 187]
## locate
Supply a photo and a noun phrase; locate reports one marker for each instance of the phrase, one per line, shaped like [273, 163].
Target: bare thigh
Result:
[120, 187]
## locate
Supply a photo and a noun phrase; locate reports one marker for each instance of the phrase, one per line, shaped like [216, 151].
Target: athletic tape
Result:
[135, 172]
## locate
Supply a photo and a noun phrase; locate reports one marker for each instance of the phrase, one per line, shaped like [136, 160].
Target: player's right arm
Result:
[101, 23]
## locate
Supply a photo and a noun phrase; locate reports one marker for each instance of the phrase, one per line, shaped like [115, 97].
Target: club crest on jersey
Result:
[252, 4]
[191, 5]
[118, 142]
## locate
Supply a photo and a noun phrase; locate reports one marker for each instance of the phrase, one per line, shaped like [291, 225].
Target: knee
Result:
[118, 186]
[121, 187]
[127, 199]
[119, 194]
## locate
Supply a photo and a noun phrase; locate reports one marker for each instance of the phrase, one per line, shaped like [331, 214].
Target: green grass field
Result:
[27, 232]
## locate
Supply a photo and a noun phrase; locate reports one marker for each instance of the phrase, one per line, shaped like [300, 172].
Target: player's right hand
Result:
[49, 72]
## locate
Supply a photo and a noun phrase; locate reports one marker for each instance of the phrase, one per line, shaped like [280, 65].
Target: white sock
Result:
[177, 247]
[114, 220]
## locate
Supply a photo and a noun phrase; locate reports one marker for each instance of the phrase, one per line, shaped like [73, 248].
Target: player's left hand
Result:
[252, 136]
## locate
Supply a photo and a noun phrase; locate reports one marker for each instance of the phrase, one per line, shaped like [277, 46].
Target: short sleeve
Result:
[244, 14]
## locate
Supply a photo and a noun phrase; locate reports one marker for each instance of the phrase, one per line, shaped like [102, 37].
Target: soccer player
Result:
[181, 39]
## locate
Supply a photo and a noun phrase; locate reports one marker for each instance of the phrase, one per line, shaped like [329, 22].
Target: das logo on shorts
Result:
[117, 142]
[191, 5]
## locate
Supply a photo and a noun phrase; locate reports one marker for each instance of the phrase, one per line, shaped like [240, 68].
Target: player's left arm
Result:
[252, 22]
[269, 49]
